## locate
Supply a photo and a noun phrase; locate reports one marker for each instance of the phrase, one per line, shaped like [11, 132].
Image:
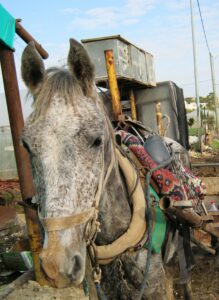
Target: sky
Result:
[162, 28]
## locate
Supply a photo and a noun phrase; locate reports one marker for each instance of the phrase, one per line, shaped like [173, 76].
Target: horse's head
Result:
[65, 137]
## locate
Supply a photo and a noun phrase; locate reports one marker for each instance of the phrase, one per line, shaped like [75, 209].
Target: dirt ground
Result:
[205, 275]
[33, 291]
[205, 286]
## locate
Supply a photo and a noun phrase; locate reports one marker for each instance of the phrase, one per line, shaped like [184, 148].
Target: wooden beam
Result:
[27, 37]
[212, 185]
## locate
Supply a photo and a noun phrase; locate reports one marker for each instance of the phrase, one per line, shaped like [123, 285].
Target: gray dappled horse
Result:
[70, 142]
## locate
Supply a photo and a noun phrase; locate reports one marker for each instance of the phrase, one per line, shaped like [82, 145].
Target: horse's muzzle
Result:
[62, 266]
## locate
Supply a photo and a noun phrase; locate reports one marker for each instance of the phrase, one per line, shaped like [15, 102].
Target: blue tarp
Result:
[7, 28]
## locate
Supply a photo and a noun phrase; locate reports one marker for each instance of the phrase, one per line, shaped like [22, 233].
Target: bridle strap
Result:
[103, 179]
[60, 223]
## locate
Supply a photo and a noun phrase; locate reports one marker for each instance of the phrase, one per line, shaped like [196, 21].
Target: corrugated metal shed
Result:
[8, 167]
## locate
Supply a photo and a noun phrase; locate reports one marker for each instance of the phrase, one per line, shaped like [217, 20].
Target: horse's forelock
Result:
[58, 82]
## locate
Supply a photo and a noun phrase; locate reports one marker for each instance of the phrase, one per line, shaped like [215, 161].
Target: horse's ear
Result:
[81, 66]
[32, 68]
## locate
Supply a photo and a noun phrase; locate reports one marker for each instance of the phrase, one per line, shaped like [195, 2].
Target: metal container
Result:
[133, 65]
[157, 149]
[172, 104]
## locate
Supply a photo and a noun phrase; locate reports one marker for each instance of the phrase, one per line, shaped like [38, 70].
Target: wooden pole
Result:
[27, 37]
[22, 158]
[159, 119]
[113, 85]
[132, 105]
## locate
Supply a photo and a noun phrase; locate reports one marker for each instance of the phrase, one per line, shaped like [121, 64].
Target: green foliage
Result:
[202, 100]
[189, 110]
[208, 119]
[189, 100]
[210, 101]
[191, 122]
[215, 144]
[194, 131]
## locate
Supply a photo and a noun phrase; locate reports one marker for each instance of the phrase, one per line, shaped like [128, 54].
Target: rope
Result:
[100, 293]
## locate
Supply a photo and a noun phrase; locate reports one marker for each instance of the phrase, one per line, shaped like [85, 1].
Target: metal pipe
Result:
[196, 78]
[22, 159]
[132, 104]
[27, 37]
[214, 92]
[113, 85]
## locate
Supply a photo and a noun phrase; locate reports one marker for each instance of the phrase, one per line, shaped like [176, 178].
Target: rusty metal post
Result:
[132, 104]
[22, 159]
[113, 85]
[27, 37]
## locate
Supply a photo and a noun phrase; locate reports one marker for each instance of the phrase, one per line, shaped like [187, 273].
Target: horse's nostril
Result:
[77, 264]
[77, 271]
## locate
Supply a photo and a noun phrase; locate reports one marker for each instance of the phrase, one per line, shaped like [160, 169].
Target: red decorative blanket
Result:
[167, 182]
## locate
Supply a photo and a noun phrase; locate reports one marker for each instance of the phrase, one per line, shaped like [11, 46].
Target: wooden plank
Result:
[215, 214]
[212, 185]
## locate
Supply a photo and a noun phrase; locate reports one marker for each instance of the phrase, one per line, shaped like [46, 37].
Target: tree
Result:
[189, 100]
[203, 99]
[210, 101]
[191, 122]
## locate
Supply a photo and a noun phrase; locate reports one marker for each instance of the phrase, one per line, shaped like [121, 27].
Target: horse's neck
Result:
[115, 213]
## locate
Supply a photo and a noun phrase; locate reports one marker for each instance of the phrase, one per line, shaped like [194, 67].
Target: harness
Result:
[137, 227]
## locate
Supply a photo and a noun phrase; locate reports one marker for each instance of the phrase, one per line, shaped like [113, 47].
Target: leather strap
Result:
[55, 224]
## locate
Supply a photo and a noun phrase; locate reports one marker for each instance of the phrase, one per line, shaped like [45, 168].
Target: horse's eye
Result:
[26, 146]
[97, 142]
